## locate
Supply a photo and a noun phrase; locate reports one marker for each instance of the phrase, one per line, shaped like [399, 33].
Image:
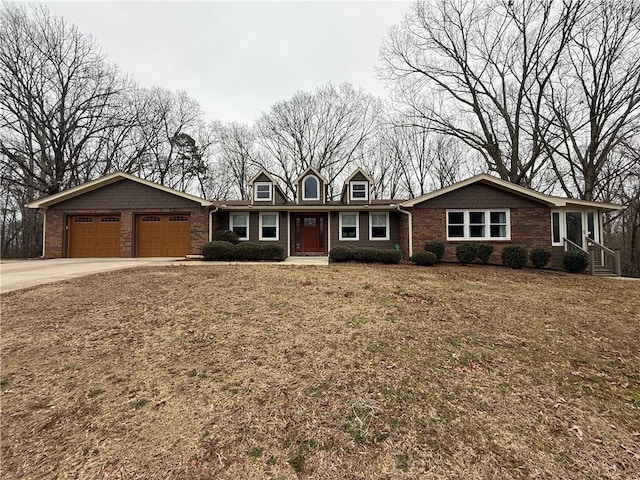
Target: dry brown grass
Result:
[314, 372]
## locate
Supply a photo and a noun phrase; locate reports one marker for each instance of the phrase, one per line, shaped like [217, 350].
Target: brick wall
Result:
[56, 233]
[530, 227]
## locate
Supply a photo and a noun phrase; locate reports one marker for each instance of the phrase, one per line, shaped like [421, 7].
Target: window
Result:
[478, 225]
[379, 226]
[268, 226]
[178, 218]
[359, 190]
[83, 220]
[151, 218]
[556, 238]
[310, 188]
[239, 223]
[262, 191]
[349, 226]
[109, 219]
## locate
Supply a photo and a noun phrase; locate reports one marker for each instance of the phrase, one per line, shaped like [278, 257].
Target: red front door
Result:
[309, 233]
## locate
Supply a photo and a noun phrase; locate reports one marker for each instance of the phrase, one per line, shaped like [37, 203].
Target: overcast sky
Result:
[239, 58]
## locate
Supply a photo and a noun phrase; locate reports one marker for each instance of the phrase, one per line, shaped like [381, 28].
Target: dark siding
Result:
[479, 195]
[394, 232]
[263, 178]
[125, 194]
[359, 177]
[280, 198]
[254, 229]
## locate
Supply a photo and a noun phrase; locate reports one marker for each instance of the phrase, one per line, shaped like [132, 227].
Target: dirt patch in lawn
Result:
[315, 372]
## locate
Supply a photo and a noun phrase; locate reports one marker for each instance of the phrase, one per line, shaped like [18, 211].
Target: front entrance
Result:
[309, 233]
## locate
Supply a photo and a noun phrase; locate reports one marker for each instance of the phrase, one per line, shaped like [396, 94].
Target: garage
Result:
[94, 236]
[162, 235]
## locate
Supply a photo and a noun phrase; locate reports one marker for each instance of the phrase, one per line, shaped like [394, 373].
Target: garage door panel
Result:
[163, 235]
[94, 236]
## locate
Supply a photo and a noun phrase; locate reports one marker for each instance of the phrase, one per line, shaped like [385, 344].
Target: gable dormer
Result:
[265, 190]
[357, 188]
[311, 187]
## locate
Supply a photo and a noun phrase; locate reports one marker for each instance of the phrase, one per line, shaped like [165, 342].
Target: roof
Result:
[108, 180]
[355, 172]
[315, 172]
[330, 206]
[261, 172]
[548, 200]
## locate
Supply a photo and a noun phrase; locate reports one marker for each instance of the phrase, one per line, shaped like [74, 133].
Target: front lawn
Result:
[351, 371]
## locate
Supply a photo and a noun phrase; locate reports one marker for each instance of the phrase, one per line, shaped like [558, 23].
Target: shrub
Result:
[227, 236]
[341, 254]
[514, 256]
[365, 255]
[575, 261]
[218, 250]
[424, 259]
[539, 257]
[270, 251]
[466, 252]
[436, 247]
[484, 252]
[389, 256]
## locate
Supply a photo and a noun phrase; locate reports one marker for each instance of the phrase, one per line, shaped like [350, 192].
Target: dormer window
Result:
[310, 188]
[359, 191]
[262, 191]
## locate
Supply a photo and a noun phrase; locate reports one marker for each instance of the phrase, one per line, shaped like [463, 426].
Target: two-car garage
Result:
[156, 235]
[123, 216]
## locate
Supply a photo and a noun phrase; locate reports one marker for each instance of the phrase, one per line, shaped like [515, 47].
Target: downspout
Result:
[44, 231]
[410, 220]
[211, 212]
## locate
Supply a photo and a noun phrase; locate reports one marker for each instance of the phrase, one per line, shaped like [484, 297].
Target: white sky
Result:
[239, 58]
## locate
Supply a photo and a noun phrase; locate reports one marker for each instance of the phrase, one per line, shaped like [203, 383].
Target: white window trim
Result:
[269, 239]
[304, 190]
[349, 239]
[255, 191]
[381, 239]
[561, 221]
[231, 223]
[366, 190]
[487, 225]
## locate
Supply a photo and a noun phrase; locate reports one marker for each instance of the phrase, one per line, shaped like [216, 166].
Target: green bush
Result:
[389, 256]
[424, 259]
[218, 250]
[436, 247]
[514, 256]
[270, 251]
[341, 254]
[575, 261]
[539, 257]
[364, 255]
[227, 236]
[484, 252]
[466, 252]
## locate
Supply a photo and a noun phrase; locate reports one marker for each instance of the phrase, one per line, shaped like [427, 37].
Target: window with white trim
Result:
[359, 190]
[269, 226]
[349, 226]
[379, 226]
[556, 228]
[262, 191]
[310, 188]
[478, 224]
[239, 223]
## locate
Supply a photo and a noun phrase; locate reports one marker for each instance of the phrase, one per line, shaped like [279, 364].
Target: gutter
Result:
[410, 220]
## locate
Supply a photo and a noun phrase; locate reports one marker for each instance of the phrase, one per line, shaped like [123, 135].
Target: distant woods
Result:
[545, 94]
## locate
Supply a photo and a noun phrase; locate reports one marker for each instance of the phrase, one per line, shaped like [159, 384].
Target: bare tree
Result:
[238, 155]
[324, 129]
[58, 95]
[478, 71]
[595, 99]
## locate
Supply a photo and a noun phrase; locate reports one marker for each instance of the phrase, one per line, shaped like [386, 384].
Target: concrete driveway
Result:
[17, 274]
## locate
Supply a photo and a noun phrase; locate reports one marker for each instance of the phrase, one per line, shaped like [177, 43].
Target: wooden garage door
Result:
[94, 236]
[162, 235]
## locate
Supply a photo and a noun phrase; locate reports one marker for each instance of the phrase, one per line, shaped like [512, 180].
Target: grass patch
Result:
[276, 372]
